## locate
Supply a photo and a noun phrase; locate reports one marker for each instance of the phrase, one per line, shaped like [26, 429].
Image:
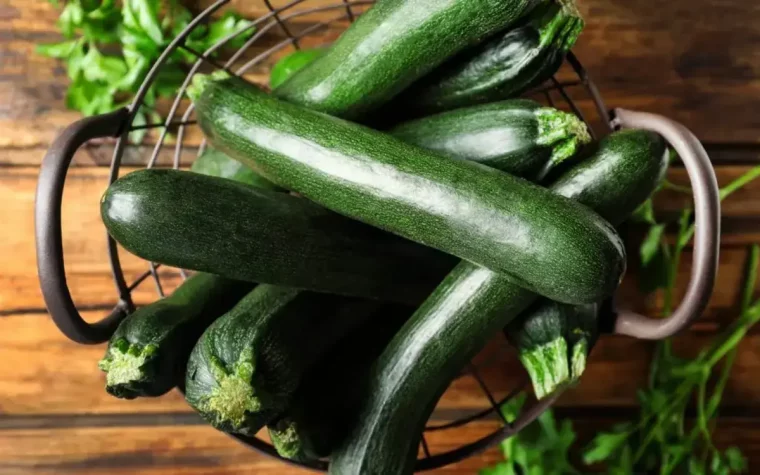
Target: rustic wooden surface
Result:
[697, 62]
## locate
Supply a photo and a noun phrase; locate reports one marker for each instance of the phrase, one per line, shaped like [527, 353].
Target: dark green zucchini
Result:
[501, 68]
[215, 225]
[550, 244]
[212, 162]
[390, 46]
[519, 136]
[246, 366]
[553, 340]
[463, 313]
[324, 406]
[150, 347]
[292, 63]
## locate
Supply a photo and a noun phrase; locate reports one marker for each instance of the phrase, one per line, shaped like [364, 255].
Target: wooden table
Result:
[697, 62]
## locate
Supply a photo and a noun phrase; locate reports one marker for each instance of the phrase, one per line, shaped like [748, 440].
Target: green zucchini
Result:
[553, 340]
[390, 46]
[246, 366]
[215, 225]
[292, 63]
[546, 242]
[212, 162]
[324, 406]
[149, 348]
[463, 313]
[518, 136]
[501, 68]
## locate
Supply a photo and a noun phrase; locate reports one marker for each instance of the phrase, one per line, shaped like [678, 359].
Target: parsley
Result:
[109, 48]
[660, 440]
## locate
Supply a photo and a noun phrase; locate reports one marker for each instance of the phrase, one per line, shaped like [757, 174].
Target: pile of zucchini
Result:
[361, 231]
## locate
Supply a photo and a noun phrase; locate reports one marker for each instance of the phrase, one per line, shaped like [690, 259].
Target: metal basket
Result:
[278, 21]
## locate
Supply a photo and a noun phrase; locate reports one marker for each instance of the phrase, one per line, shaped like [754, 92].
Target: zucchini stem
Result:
[126, 366]
[547, 366]
[233, 400]
[286, 440]
[563, 131]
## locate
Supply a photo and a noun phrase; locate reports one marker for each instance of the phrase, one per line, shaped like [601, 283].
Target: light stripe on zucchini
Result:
[390, 46]
[445, 333]
[550, 244]
[502, 67]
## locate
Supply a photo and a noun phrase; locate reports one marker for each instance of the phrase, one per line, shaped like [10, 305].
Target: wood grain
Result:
[90, 278]
[61, 377]
[163, 450]
[673, 63]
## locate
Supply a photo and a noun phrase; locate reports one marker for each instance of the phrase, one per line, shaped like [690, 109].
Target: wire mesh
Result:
[285, 20]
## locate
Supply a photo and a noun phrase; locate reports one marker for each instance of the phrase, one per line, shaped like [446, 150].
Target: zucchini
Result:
[553, 340]
[518, 136]
[147, 352]
[212, 162]
[292, 63]
[390, 46]
[463, 313]
[149, 348]
[249, 362]
[324, 406]
[548, 243]
[215, 225]
[501, 68]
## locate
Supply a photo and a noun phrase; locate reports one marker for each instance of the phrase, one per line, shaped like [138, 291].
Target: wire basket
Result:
[281, 24]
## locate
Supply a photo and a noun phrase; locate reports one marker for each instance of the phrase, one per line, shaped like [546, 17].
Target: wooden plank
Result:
[201, 450]
[696, 72]
[60, 377]
[84, 243]
[172, 450]
[89, 272]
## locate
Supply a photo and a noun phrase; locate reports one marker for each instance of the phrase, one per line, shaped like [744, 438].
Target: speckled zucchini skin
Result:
[248, 363]
[519, 136]
[325, 406]
[391, 45]
[146, 355]
[546, 242]
[467, 309]
[502, 67]
[215, 225]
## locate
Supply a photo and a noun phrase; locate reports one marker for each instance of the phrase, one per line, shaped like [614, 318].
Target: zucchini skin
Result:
[473, 212]
[553, 339]
[246, 366]
[390, 46]
[470, 305]
[502, 67]
[215, 225]
[147, 352]
[292, 63]
[212, 162]
[519, 136]
[325, 406]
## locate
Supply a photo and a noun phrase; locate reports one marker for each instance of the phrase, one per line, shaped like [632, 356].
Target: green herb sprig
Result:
[660, 440]
[109, 48]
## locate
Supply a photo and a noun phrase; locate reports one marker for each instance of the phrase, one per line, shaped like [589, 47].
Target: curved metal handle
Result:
[706, 223]
[47, 223]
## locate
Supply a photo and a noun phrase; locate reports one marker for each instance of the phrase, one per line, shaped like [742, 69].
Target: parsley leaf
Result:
[135, 33]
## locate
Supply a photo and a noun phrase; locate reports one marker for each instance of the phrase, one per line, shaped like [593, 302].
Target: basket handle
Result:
[706, 223]
[47, 222]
